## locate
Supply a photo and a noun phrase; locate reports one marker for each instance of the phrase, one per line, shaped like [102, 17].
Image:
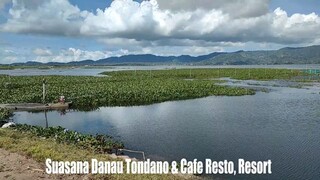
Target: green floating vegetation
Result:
[97, 143]
[234, 73]
[126, 88]
[4, 67]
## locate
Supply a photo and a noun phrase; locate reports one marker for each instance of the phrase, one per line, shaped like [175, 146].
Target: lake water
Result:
[282, 125]
[95, 71]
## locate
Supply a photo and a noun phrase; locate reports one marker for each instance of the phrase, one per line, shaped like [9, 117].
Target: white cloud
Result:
[123, 18]
[42, 52]
[296, 28]
[55, 17]
[163, 26]
[146, 21]
[70, 54]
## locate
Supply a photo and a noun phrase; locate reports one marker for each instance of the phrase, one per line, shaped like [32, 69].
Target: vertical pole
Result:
[44, 91]
[45, 115]
[306, 71]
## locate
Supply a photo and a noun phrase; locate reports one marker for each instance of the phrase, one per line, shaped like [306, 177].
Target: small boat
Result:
[36, 106]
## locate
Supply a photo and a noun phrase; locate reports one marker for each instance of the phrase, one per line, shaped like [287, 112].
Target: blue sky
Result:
[62, 30]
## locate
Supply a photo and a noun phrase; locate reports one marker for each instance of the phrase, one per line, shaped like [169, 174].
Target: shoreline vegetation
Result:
[25, 142]
[5, 114]
[98, 143]
[129, 88]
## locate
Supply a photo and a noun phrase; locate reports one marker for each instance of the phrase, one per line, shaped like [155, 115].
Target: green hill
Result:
[301, 55]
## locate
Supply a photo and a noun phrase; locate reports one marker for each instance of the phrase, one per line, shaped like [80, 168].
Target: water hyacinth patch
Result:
[128, 88]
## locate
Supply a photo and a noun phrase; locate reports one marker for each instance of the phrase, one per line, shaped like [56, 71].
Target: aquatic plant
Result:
[6, 67]
[234, 73]
[126, 88]
[93, 92]
[98, 143]
[5, 114]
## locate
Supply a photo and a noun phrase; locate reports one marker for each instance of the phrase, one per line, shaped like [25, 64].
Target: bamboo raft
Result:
[35, 106]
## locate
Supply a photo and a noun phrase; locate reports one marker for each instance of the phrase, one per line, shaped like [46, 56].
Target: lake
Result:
[94, 71]
[282, 125]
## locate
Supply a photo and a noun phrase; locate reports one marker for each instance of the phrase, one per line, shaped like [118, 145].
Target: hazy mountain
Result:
[301, 55]
[153, 59]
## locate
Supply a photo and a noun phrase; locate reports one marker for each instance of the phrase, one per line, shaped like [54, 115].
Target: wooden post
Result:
[45, 115]
[44, 91]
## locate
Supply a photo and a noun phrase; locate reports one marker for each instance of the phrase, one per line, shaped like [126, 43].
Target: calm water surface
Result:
[96, 71]
[282, 125]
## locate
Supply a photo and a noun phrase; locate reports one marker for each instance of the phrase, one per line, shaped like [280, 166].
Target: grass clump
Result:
[98, 143]
[5, 114]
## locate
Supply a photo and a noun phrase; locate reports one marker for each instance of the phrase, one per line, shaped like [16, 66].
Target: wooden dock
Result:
[36, 106]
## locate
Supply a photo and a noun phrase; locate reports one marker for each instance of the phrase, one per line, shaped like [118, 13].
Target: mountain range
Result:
[288, 55]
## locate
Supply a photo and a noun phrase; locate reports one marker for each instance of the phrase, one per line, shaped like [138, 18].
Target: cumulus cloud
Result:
[296, 28]
[217, 21]
[66, 55]
[45, 55]
[77, 54]
[55, 17]
[124, 18]
[157, 25]
[214, 25]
